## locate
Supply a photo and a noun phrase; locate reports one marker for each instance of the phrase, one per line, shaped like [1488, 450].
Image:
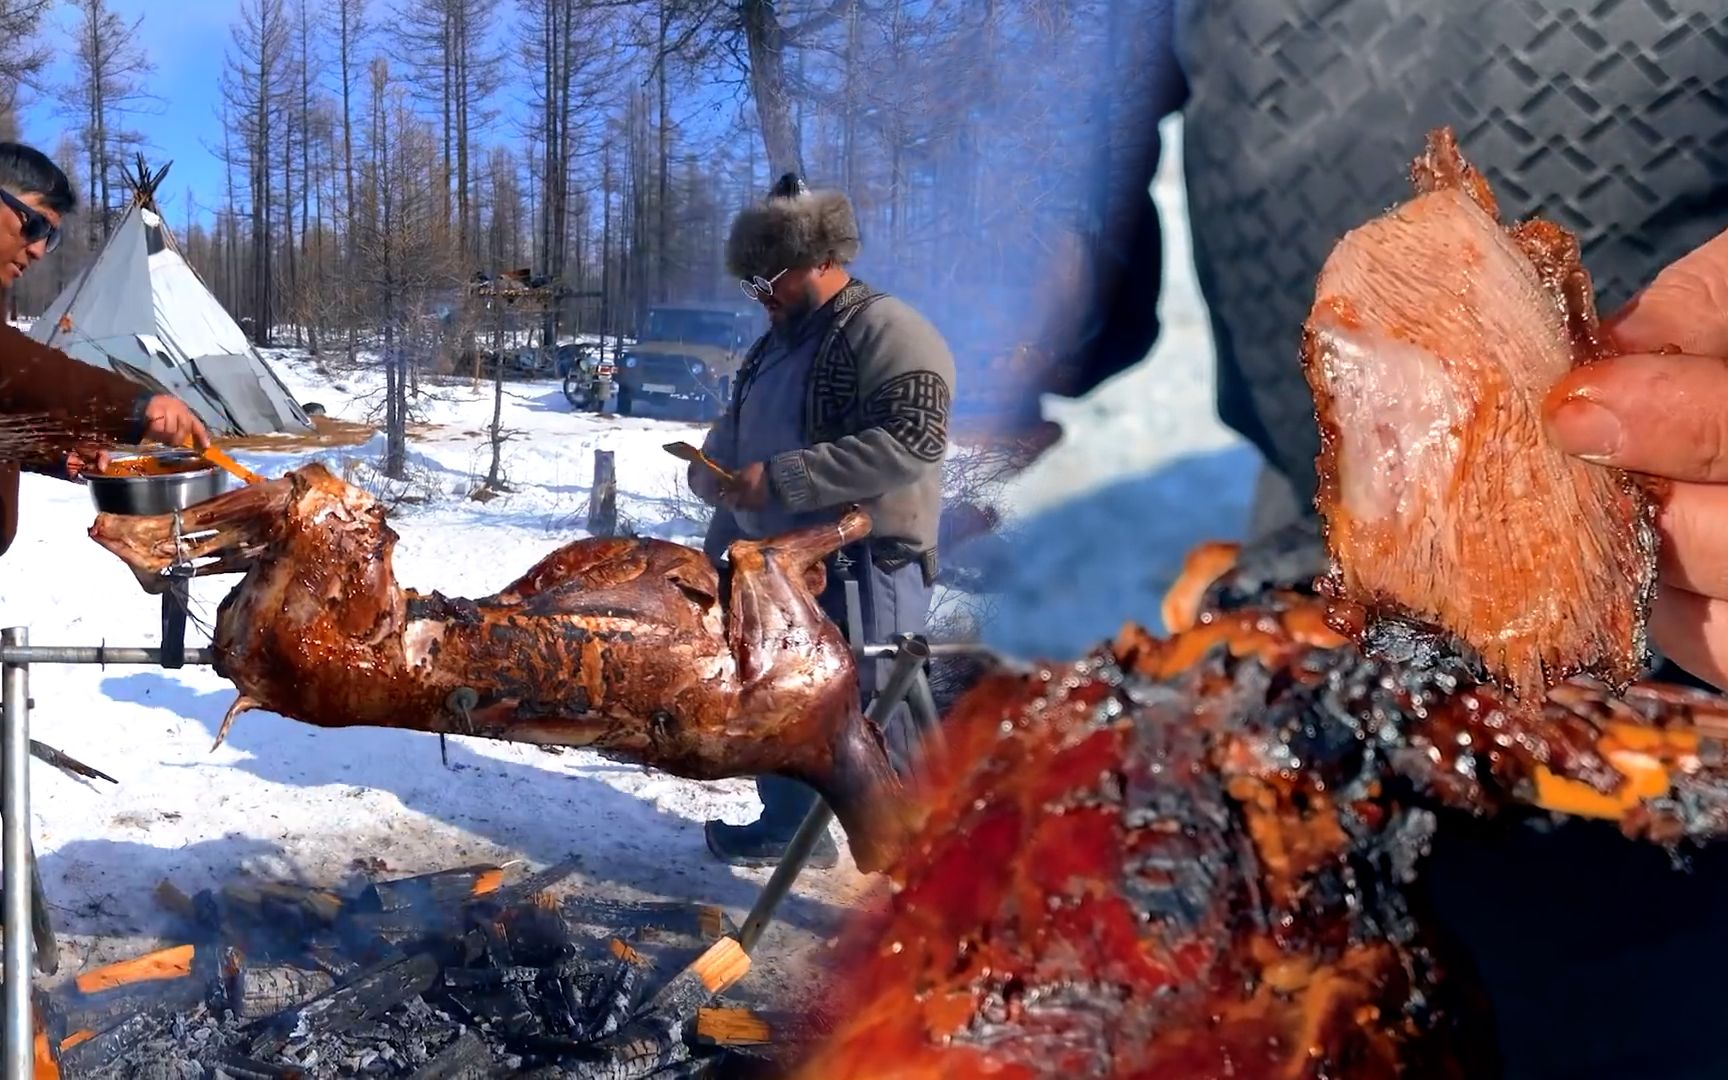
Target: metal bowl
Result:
[160, 493]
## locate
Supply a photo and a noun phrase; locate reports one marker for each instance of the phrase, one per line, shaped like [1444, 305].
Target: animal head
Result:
[308, 515]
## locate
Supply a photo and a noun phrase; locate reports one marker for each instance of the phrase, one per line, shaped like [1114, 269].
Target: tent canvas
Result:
[141, 310]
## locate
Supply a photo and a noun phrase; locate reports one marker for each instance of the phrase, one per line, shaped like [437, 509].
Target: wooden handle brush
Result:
[686, 452]
[220, 458]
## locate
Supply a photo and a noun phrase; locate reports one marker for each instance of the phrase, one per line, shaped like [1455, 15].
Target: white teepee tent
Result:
[141, 310]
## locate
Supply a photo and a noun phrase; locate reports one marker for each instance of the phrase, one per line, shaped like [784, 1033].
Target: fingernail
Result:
[1585, 429]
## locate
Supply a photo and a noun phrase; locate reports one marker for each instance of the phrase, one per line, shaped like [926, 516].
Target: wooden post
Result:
[603, 497]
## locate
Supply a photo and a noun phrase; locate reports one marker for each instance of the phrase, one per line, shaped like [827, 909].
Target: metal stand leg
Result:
[15, 874]
[928, 718]
[907, 666]
[176, 602]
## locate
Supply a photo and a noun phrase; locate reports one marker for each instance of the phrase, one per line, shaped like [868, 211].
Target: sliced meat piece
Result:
[1434, 334]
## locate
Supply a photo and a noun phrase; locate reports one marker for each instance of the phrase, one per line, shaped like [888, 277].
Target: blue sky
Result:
[186, 40]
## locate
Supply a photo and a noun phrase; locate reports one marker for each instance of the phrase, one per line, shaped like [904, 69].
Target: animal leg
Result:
[594, 563]
[226, 527]
[782, 640]
[796, 552]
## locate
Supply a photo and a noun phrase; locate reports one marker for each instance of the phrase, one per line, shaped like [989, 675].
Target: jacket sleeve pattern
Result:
[904, 372]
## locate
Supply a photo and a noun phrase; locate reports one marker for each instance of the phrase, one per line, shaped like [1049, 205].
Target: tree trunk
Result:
[293, 293]
[766, 40]
[309, 312]
[345, 46]
[607, 308]
[663, 234]
[849, 107]
[494, 479]
[261, 195]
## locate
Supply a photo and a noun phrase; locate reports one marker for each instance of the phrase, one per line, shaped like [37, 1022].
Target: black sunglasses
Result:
[34, 226]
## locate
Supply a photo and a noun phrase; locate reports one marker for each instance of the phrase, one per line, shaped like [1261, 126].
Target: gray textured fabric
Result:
[140, 309]
[235, 382]
[1275, 505]
[874, 419]
[895, 424]
[1609, 117]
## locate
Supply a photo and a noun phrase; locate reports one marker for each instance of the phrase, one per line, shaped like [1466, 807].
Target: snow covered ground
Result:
[1144, 471]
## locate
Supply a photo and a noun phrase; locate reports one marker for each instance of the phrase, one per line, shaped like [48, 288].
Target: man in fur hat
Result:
[843, 401]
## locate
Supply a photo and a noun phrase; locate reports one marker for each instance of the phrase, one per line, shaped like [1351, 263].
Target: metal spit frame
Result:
[17, 877]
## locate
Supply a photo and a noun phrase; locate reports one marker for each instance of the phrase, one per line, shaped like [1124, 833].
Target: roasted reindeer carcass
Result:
[631, 647]
[1193, 856]
[1189, 857]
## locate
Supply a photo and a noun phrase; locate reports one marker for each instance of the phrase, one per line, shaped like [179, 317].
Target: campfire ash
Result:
[454, 974]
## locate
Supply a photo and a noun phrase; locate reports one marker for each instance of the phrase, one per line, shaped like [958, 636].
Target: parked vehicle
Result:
[590, 379]
[571, 354]
[685, 358]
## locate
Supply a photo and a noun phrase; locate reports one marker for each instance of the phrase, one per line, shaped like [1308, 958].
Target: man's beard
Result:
[794, 306]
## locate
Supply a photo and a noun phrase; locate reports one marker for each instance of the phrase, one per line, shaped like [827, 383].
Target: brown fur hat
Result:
[792, 230]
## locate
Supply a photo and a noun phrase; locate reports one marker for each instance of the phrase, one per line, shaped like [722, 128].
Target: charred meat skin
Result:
[625, 646]
[1435, 333]
[1188, 857]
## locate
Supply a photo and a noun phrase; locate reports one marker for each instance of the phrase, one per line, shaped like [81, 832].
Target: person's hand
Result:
[78, 461]
[748, 489]
[704, 483]
[168, 420]
[1664, 413]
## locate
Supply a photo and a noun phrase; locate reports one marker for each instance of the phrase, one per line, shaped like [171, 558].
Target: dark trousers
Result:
[891, 602]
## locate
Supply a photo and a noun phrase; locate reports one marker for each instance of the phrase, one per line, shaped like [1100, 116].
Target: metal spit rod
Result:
[131, 654]
[15, 845]
[937, 648]
[92, 654]
[909, 659]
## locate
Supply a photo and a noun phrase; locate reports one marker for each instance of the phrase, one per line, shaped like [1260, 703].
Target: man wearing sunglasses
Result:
[68, 407]
[843, 401]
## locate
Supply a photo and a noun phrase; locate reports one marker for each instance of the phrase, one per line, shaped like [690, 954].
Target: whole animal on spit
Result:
[632, 647]
[1194, 856]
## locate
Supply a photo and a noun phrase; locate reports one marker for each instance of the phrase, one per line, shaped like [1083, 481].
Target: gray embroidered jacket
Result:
[875, 421]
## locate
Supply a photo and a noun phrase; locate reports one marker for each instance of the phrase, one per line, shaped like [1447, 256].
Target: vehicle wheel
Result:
[574, 395]
[625, 401]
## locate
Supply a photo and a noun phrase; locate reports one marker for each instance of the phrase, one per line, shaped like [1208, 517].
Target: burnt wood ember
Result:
[511, 984]
[1434, 335]
[468, 1058]
[254, 991]
[366, 996]
[444, 888]
[629, 646]
[1189, 856]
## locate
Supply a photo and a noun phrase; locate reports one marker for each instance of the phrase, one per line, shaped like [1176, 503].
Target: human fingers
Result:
[1663, 415]
[1694, 524]
[1686, 306]
[1692, 631]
